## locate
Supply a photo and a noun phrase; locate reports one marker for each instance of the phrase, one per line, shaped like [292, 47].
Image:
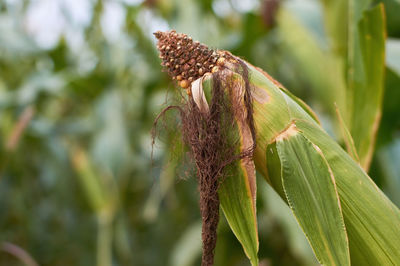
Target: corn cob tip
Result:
[184, 59]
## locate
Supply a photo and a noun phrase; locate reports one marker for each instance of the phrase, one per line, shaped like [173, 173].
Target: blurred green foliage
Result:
[80, 87]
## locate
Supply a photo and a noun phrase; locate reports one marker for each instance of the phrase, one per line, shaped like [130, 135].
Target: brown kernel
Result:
[184, 84]
[214, 69]
[179, 77]
[192, 61]
[221, 61]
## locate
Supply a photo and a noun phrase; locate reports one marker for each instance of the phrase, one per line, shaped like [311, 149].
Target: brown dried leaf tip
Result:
[184, 59]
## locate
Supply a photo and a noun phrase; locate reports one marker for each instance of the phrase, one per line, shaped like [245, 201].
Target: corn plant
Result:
[236, 119]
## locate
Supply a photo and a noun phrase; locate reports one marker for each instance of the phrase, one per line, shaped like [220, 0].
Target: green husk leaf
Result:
[311, 193]
[302, 104]
[275, 169]
[238, 207]
[372, 220]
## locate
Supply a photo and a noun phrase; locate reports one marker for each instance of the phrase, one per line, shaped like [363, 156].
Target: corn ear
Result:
[345, 216]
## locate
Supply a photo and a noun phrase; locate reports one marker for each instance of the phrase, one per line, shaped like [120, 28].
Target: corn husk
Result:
[346, 218]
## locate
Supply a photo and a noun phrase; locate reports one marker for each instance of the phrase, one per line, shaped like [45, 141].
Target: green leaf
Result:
[348, 139]
[366, 61]
[342, 30]
[238, 206]
[90, 182]
[390, 123]
[311, 193]
[359, 39]
[372, 220]
[321, 68]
